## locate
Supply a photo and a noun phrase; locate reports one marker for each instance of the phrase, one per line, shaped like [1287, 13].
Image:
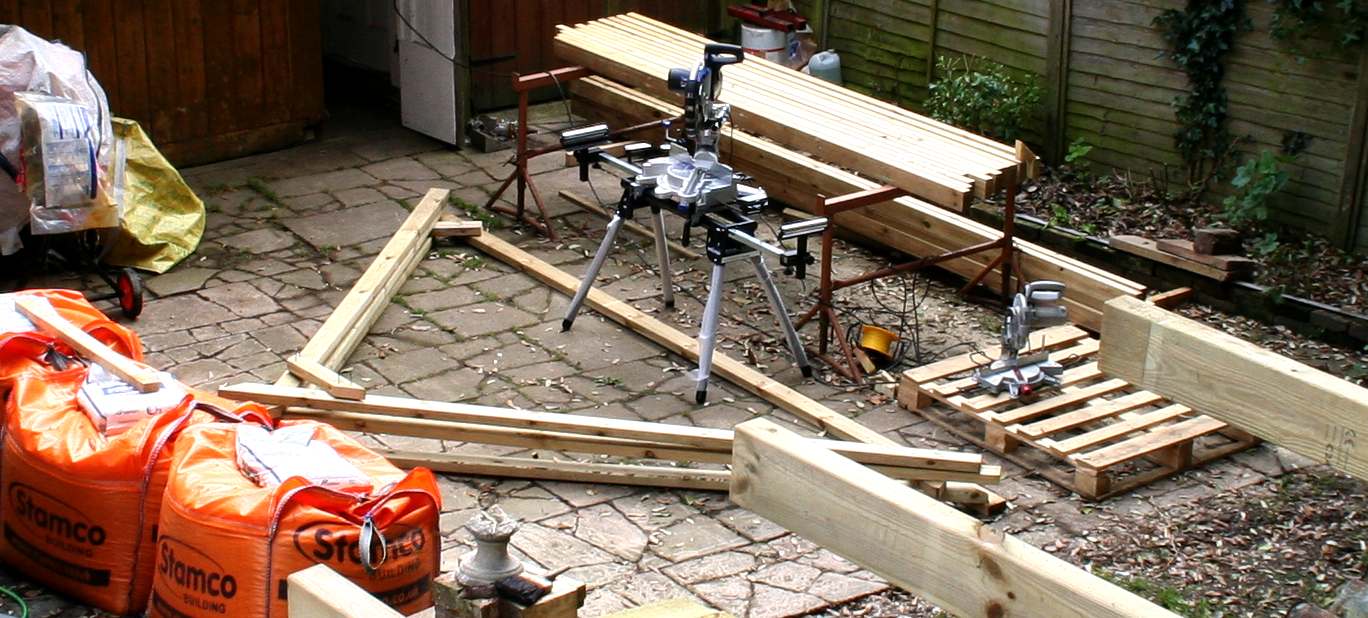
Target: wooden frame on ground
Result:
[326, 352]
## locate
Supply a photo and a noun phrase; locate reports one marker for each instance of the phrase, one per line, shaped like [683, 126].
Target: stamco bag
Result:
[234, 527]
[79, 509]
[23, 348]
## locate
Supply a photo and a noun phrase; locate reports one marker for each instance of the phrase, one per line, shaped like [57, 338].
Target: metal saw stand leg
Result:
[781, 314]
[592, 274]
[663, 257]
[707, 333]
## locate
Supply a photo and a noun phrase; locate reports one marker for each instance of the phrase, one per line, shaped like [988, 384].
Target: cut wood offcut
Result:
[49, 321]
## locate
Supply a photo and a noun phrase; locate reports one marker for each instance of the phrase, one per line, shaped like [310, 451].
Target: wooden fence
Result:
[1105, 81]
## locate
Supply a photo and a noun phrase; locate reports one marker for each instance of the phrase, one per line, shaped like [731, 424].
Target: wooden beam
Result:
[636, 228]
[1171, 298]
[551, 470]
[1266, 394]
[456, 228]
[455, 421]
[948, 558]
[47, 319]
[339, 335]
[320, 592]
[729, 368]
[316, 374]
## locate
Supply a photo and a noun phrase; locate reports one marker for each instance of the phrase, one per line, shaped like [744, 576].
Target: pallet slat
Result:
[1083, 416]
[1116, 430]
[1158, 439]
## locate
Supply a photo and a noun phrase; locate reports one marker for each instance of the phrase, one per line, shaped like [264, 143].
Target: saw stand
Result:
[524, 85]
[824, 310]
[730, 238]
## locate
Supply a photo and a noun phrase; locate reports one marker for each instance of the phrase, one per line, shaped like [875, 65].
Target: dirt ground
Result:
[289, 232]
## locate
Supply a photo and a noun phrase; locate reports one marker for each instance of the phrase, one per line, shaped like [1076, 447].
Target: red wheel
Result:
[130, 290]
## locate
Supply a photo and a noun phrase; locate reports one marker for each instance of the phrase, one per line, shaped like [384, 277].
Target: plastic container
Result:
[826, 66]
[766, 43]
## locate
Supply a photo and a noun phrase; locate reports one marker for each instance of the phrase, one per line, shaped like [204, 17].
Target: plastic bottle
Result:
[826, 65]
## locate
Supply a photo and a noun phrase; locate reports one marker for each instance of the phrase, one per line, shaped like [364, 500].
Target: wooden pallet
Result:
[1096, 435]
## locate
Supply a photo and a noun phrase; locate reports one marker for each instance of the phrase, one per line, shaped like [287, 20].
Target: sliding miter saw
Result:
[692, 175]
[1038, 306]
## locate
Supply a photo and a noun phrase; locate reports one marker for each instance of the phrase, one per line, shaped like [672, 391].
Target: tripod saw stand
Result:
[824, 310]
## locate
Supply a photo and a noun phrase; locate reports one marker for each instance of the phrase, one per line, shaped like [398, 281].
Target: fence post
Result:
[1346, 228]
[1057, 79]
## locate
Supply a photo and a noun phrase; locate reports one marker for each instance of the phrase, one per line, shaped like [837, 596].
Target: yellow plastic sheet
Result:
[163, 219]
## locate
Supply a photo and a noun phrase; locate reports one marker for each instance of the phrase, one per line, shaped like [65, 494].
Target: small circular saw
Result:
[1038, 306]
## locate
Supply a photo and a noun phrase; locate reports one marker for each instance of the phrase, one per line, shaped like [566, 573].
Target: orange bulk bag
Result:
[79, 509]
[227, 544]
[23, 350]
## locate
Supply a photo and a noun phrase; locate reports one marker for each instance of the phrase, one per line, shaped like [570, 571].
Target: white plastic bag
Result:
[29, 63]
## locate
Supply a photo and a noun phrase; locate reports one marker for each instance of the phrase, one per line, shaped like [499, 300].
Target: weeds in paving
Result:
[1168, 597]
[477, 213]
[473, 262]
[259, 186]
[609, 381]
[413, 311]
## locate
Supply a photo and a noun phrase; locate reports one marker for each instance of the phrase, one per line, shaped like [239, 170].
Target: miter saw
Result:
[1038, 306]
[686, 177]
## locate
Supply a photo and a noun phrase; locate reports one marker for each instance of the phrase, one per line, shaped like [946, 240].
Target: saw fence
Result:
[841, 131]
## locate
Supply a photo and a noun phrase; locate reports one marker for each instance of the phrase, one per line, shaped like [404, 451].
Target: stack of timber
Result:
[932, 160]
[907, 224]
[1108, 435]
[580, 434]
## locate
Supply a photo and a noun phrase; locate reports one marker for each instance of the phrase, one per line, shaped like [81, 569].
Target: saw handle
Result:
[718, 55]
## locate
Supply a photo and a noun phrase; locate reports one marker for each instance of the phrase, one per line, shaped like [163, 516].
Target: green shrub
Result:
[982, 96]
[1255, 181]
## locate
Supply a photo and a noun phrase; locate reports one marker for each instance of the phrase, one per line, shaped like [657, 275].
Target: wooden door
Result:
[515, 36]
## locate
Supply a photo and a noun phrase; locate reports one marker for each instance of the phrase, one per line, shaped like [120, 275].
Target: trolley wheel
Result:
[129, 287]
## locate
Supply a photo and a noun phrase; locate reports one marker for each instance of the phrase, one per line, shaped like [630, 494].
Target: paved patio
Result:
[289, 232]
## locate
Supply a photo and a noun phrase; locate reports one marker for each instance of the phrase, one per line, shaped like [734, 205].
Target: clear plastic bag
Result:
[29, 63]
[59, 146]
